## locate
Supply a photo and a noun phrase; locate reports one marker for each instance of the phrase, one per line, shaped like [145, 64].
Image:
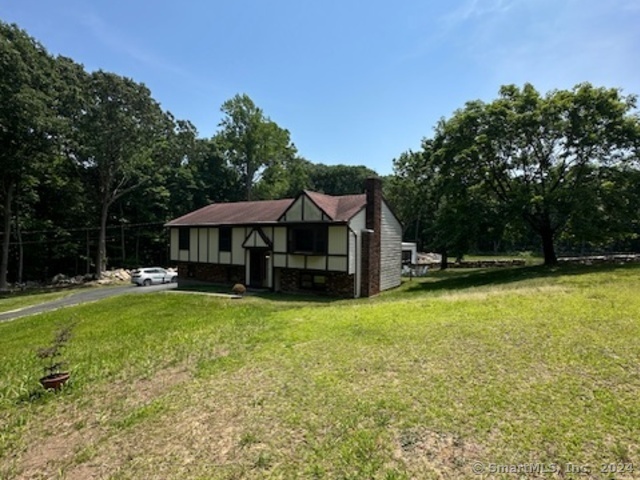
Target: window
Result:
[225, 239]
[309, 281]
[183, 238]
[308, 239]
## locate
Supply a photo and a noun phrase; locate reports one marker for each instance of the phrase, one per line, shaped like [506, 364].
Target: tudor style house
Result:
[348, 246]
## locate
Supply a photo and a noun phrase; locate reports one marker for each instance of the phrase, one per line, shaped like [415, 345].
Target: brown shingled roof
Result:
[339, 209]
[234, 213]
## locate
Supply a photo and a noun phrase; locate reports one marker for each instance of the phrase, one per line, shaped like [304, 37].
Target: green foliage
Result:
[338, 179]
[91, 167]
[251, 141]
[442, 211]
[552, 161]
[27, 122]
[124, 139]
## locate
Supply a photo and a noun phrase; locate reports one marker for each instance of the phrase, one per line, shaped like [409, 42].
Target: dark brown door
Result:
[258, 268]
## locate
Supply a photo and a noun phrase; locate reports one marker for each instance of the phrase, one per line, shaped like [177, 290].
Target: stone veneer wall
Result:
[214, 273]
[338, 284]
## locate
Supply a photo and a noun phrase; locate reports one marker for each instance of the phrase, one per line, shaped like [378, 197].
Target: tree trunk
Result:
[20, 247]
[88, 254]
[4, 260]
[101, 258]
[248, 189]
[250, 173]
[444, 260]
[122, 246]
[137, 247]
[548, 249]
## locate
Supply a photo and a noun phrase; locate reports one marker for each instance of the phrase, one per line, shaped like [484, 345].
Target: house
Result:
[347, 246]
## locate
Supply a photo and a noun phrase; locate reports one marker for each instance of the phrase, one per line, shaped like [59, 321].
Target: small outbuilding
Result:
[347, 246]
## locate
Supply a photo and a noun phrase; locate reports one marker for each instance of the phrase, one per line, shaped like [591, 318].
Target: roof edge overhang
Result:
[261, 224]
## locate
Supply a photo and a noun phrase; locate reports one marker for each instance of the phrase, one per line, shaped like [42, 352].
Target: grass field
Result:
[512, 367]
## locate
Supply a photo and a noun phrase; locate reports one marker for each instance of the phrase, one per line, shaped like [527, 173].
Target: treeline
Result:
[91, 166]
[548, 172]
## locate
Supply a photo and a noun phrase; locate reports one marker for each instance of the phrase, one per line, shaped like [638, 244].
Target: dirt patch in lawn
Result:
[147, 389]
[214, 427]
[427, 451]
[72, 438]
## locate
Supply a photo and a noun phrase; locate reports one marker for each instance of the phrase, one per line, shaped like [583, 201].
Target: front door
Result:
[258, 268]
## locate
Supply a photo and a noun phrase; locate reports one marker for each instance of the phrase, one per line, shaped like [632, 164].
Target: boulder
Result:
[121, 274]
[60, 279]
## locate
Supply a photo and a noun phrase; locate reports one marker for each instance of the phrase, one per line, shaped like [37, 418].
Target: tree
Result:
[339, 179]
[538, 154]
[443, 211]
[124, 135]
[607, 213]
[409, 193]
[283, 179]
[251, 141]
[27, 78]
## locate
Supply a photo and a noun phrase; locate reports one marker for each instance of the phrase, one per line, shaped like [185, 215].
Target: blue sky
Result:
[354, 82]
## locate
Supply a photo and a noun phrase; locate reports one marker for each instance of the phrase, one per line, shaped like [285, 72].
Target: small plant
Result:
[52, 360]
[239, 289]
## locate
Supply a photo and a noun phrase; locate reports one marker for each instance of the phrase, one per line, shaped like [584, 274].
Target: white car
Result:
[149, 276]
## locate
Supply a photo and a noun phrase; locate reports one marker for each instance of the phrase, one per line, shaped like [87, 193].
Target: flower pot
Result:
[55, 380]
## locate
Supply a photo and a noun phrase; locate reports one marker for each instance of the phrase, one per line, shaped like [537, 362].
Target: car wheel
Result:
[174, 279]
[147, 282]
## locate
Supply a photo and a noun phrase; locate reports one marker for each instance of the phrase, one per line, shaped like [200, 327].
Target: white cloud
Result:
[118, 42]
[444, 27]
[475, 9]
[551, 44]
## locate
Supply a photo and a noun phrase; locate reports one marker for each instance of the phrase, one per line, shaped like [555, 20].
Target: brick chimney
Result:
[371, 239]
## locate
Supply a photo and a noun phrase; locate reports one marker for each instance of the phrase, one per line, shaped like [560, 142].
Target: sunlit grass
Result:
[511, 366]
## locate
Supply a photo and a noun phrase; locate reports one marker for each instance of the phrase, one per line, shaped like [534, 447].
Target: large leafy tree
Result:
[442, 210]
[124, 136]
[27, 122]
[251, 141]
[286, 178]
[410, 192]
[540, 155]
[339, 179]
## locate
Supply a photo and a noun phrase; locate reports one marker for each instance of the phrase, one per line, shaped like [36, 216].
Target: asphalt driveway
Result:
[82, 296]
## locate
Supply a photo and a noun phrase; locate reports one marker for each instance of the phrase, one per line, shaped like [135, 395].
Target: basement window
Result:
[309, 281]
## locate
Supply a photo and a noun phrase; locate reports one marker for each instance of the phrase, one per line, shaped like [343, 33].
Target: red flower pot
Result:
[55, 380]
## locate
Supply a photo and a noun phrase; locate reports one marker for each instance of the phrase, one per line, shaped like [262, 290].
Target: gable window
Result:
[225, 239]
[183, 238]
[308, 239]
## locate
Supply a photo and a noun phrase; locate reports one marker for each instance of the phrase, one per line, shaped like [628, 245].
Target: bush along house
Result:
[346, 246]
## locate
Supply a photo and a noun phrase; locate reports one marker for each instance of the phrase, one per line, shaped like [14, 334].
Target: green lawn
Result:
[516, 366]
